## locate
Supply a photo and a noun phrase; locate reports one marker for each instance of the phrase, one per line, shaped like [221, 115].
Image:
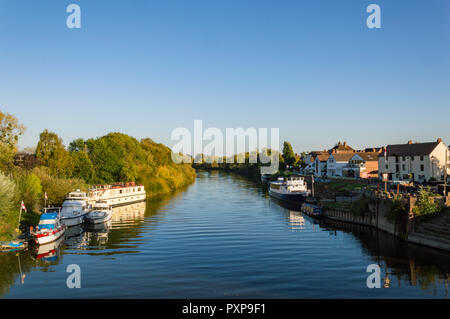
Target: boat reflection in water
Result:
[296, 220]
[76, 237]
[125, 216]
[99, 232]
[48, 253]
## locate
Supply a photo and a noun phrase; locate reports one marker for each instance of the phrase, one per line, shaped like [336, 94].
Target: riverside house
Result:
[320, 164]
[340, 154]
[418, 162]
[336, 163]
[362, 165]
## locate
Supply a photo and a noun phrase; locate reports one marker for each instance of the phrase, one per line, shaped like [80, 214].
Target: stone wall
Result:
[433, 233]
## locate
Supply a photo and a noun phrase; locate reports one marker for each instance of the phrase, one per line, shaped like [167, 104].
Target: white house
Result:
[336, 162]
[320, 164]
[416, 162]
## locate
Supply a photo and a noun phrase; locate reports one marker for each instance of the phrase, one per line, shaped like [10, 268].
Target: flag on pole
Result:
[23, 278]
[22, 206]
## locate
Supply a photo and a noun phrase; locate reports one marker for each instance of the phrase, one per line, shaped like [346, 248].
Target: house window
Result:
[422, 167]
[421, 158]
[404, 167]
[387, 166]
[403, 158]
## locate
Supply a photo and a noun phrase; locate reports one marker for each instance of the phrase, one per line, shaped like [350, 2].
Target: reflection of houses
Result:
[362, 165]
[417, 162]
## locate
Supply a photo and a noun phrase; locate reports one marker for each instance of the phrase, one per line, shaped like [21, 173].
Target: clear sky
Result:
[311, 68]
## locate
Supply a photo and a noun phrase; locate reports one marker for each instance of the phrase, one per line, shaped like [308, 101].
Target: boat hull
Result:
[291, 198]
[73, 221]
[41, 239]
[99, 220]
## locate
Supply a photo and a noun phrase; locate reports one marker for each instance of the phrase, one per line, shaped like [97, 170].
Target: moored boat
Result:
[290, 189]
[101, 213]
[75, 208]
[312, 210]
[49, 228]
[118, 194]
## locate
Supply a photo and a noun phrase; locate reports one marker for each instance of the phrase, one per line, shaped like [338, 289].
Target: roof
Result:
[342, 157]
[323, 157]
[341, 148]
[368, 156]
[417, 149]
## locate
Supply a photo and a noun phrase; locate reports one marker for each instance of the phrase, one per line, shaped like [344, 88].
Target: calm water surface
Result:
[223, 237]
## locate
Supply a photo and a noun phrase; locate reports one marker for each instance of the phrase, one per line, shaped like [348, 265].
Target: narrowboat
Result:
[312, 210]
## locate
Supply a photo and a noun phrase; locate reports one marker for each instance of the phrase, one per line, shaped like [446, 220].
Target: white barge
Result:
[118, 194]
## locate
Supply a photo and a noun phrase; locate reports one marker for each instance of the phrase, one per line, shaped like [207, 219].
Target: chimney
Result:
[439, 140]
[345, 143]
[410, 142]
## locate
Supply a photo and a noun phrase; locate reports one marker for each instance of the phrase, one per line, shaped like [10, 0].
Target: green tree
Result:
[82, 166]
[10, 131]
[52, 153]
[288, 154]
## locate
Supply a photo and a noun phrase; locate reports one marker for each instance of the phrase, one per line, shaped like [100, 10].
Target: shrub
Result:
[7, 194]
[397, 211]
[29, 190]
[57, 188]
[425, 205]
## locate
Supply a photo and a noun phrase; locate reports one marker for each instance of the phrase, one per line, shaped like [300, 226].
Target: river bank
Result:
[433, 232]
[44, 175]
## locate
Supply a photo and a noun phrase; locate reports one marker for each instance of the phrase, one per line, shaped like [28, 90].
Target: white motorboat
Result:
[49, 229]
[101, 213]
[75, 208]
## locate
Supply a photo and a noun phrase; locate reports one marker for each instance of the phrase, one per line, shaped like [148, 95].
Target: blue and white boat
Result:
[290, 189]
[49, 229]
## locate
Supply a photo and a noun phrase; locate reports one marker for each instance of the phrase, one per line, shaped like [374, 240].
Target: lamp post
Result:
[445, 173]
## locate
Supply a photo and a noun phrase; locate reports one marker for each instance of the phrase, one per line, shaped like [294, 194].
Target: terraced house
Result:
[418, 162]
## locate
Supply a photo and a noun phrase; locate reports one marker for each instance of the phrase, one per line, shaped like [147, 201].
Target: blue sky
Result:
[311, 68]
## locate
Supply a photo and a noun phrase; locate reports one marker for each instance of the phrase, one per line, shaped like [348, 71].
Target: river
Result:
[223, 237]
